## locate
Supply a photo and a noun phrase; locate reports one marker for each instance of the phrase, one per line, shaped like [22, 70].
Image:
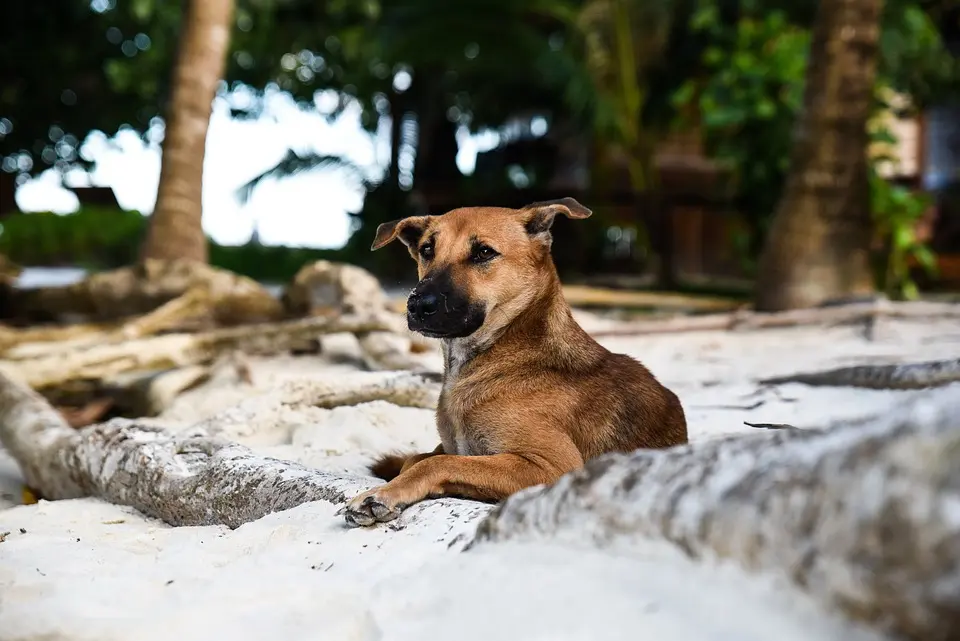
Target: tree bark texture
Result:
[819, 240]
[140, 289]
[901, 376]
[93, 362]
[175, 229]
[189, 478]
[865, 516]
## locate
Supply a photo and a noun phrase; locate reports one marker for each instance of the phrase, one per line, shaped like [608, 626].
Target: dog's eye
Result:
[426, 251]
[483, 253]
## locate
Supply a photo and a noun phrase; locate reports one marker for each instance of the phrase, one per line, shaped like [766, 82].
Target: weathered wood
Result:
[864, 516]
[904, 376]
[189, 478]
[133, 291]
[31, 342]
[149, 393]
[583, 296]
[176, 350]
[745, 320]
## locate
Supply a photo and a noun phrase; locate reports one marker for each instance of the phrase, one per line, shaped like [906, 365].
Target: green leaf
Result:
[903, 237]
[684, 95]
[142, 9]
[926, 258]
[766, 108]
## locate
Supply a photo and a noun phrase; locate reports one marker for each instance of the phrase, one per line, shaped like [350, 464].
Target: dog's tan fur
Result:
[529, 396]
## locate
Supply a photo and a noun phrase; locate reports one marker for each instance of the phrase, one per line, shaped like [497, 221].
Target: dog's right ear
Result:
[408, 230]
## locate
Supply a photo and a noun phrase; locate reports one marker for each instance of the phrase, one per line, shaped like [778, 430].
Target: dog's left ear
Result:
[539, 217]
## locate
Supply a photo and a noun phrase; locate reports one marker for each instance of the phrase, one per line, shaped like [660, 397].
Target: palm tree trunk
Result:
[818, 245]
[175, 230]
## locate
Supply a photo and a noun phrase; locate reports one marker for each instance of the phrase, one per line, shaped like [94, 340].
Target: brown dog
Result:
[527, 395]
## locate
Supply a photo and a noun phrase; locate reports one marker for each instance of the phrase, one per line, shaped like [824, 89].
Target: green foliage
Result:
[749, 91]
[896, 212]
[914, 59]
[611, 71]
[78, 66]
[746, 102]
[93, 237]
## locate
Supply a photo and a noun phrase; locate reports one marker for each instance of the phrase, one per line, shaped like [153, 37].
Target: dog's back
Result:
[633, 409]
[605, 402]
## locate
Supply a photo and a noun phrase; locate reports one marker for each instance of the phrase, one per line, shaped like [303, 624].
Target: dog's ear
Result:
[538, 217]
[408, 230]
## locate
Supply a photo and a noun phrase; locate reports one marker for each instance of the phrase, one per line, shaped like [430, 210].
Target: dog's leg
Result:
[484, 478]
[390, 466]
[416, 458]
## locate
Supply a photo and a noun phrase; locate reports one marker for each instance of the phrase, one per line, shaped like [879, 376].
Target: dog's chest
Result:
[456, 433]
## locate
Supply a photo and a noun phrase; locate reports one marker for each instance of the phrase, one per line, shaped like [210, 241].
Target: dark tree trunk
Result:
[818, 245]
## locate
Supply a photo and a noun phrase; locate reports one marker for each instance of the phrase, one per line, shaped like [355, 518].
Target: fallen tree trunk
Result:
[900, 376]
[140, 289]
[745, 320]
[863, 516]
[176, 350]
[32, 342]
[190, 478]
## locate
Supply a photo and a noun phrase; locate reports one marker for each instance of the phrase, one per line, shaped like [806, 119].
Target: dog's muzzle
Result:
[437, 309]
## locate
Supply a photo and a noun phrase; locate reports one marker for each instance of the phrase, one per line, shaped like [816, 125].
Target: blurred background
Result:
[674, 120]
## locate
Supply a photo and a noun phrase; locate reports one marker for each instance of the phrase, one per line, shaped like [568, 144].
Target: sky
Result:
[308, 210]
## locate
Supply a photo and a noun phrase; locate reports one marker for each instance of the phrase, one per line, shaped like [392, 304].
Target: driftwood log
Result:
[745, 319]
[192, 306]
[160, 297]
[865, 516]
[188, 478]
[139, 289]
[175, 350]
[898, 376]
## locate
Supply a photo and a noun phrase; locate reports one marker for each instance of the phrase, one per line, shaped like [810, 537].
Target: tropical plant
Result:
[622, 40]
[897, 211]
[746, 103]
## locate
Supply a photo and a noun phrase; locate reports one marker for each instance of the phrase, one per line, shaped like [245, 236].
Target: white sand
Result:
[88, 570]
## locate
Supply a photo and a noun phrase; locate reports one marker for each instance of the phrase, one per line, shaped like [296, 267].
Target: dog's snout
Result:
[429, 304]
[438, 308]
[420, 305]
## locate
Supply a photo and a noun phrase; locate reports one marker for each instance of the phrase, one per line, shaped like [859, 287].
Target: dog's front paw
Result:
[373, 506]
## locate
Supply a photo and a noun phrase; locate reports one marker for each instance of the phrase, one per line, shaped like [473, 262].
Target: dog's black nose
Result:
[422, 305]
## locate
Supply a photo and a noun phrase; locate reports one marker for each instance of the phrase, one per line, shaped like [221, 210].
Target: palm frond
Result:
[294, 163]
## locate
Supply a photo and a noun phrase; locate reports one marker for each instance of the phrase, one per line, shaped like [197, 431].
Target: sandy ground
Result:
[84, 569]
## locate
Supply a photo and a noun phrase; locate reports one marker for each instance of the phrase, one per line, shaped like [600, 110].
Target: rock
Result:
[325, 287]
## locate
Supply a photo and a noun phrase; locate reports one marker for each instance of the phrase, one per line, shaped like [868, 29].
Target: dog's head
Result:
[478, 266]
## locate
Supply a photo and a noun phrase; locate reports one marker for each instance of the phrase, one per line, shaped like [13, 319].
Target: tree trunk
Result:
[818, 245]
[100, 361]
[862, 516]
[175, 229]
[190, 478]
